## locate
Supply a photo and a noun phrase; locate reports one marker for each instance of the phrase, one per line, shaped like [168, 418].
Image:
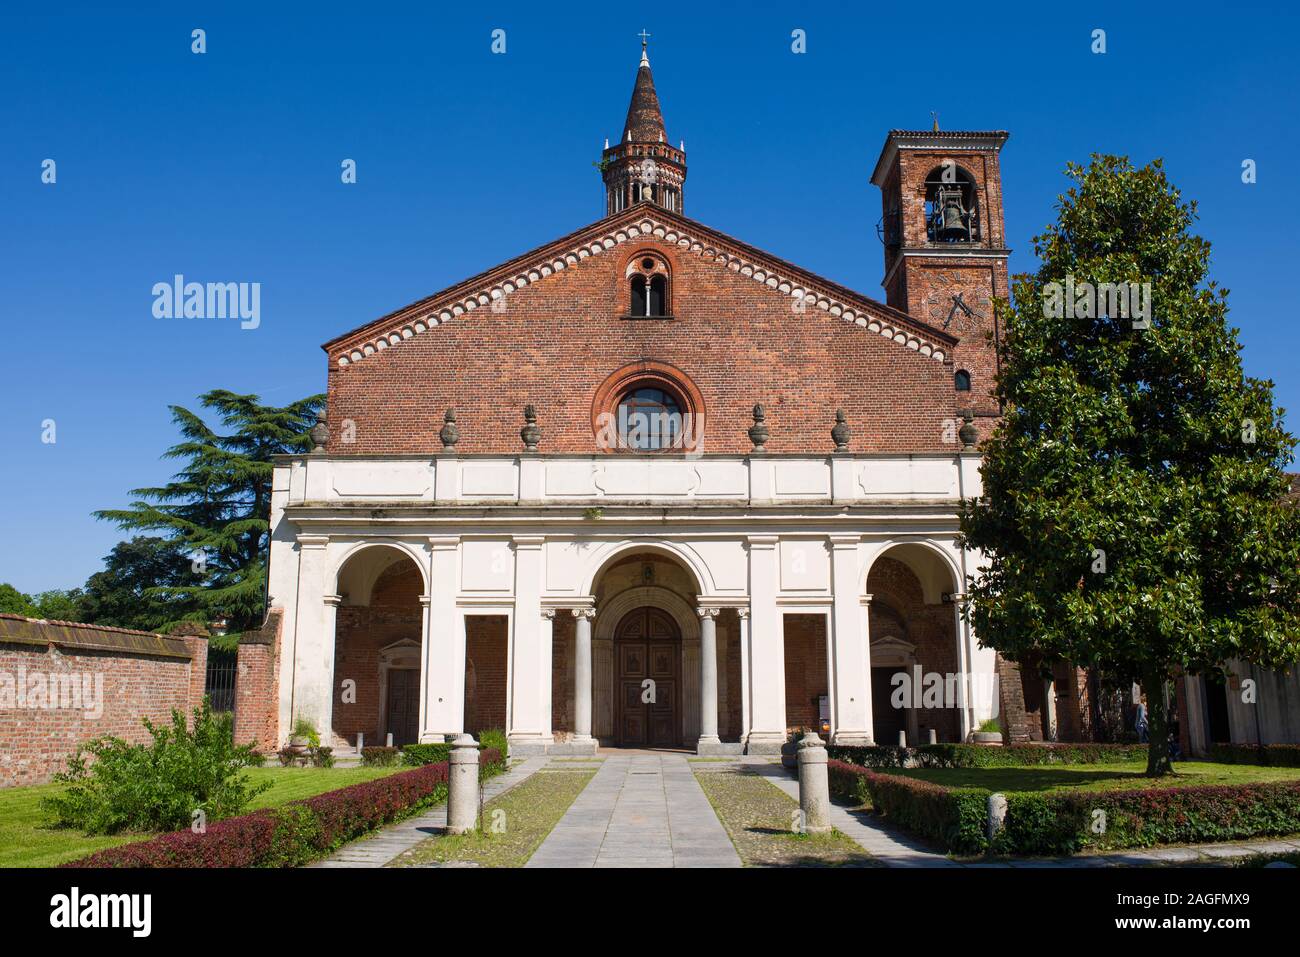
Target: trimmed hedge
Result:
[955, 818]
[379, 756]
[981, 756]
[1067, 821]
[417, 755]
[1064, 822]
[1269, 755]
[294, 833]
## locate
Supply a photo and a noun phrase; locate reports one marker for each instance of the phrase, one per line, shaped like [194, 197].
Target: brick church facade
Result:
[649, 486]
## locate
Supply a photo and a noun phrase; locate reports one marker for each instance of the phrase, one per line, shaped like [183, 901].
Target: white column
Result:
[851, 698]
[743, 615]
[865, 603]
[767, 649]
[442, 651]
[708, 681]
[329, 628]
[547, 655]
[529, 673]
[961, 633]
[312, 646]
[582, 676]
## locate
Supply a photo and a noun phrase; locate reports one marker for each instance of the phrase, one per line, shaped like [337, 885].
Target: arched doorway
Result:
[647, 663]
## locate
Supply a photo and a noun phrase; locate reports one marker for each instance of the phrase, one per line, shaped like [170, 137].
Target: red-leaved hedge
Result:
[293, 833]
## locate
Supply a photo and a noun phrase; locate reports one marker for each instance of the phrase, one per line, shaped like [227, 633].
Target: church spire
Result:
[643, 167]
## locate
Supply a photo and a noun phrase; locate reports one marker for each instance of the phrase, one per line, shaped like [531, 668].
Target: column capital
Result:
[548, 614]
[334, 600]
[841, 540]
[588, 613]
[426, 600]
[708, 612]
[865, 599]
[742, 613]
[439, 543]
[762, 541]
[957, 597]
[527, 542]
[313, 541]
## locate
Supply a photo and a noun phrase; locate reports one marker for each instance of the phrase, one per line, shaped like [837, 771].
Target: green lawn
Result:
[512, 827]
[1099, 777]
[27, 840]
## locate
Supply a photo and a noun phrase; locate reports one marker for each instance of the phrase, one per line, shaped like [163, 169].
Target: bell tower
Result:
[945, 242]
[643, 166]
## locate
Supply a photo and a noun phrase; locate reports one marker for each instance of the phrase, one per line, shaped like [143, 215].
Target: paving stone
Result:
[643, 810]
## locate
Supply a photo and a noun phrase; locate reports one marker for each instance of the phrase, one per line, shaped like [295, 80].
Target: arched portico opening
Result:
[918, 671]
[377, 647]
[646, 642]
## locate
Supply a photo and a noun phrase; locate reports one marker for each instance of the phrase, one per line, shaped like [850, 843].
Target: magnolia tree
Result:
[1133, 511]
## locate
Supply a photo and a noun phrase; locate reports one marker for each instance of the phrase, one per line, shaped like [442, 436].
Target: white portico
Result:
[713, 602]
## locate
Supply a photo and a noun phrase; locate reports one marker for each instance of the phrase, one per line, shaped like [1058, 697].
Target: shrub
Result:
[321, 757]
[417, 755]
[114, 786]
[1063, 822]
[955, 818]
[379, 757]
[976, 756]
[1270, 755]
[294, 833]
[494, 739]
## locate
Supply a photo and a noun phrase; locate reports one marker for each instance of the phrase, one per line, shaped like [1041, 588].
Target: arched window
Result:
[648, 278]
[951, 205]
[962, 380]
[649, 419]
[648, 406]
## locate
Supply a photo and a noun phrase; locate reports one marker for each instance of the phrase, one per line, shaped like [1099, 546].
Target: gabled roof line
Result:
[640, 222]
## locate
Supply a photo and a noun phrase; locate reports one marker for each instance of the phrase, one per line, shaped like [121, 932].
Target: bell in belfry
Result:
[952, 222]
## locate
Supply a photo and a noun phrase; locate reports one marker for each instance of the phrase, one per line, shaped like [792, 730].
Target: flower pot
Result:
[987, 737]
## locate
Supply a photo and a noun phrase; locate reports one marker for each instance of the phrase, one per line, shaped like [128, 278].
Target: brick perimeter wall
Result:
[257, 685]
[805, 668]
[35, 742]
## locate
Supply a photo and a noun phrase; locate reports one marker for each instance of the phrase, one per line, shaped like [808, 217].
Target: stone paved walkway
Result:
[889, 847]
[386, 843]
[641, 810]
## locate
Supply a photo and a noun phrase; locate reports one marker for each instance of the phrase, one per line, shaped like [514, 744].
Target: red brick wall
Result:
[485, 672]
[35, 742]
[805, 669]
[561, 337]
[563, 641]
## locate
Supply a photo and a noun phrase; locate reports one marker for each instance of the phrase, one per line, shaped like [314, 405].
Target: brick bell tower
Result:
[643, 167]
[945, 244]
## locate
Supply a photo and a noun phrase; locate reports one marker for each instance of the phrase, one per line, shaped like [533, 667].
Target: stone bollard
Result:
[902, 739]
[814, 785]
[390, 739]
[934, 736]
[462, 785]
[997, 815]
[361, 742]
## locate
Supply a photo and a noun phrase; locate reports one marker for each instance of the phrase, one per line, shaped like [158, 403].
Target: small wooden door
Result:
[886, 720]
[403, 705]
[647, 656]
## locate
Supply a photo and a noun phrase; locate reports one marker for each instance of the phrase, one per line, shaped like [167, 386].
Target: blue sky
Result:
[225, 167]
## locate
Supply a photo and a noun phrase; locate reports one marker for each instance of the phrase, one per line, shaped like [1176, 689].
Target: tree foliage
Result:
[1133, 511]
[215, 510]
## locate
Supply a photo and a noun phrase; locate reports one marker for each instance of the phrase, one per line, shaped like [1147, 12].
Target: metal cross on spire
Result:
[645, 60]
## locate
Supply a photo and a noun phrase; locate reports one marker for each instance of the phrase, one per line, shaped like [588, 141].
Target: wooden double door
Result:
[647, 681]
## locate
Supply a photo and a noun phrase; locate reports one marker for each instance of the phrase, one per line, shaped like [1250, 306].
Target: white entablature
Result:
[612, 479]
